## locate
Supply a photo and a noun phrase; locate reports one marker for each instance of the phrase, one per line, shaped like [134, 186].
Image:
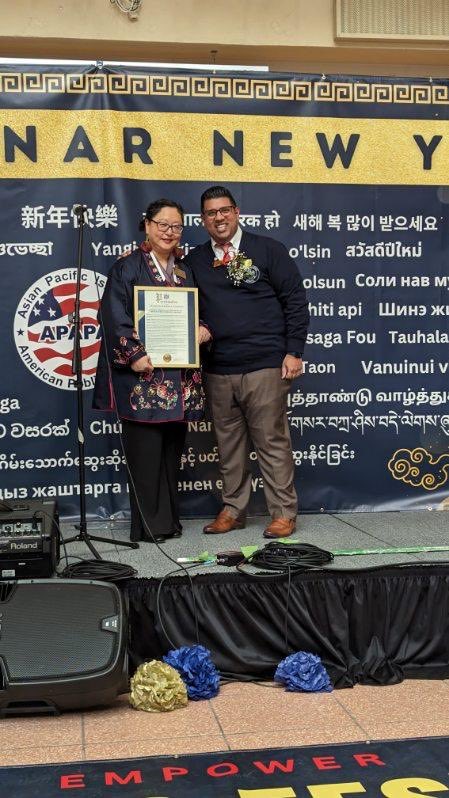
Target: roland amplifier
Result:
[29, 539]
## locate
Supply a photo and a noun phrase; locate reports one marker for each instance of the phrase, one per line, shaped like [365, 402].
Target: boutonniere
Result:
[241, 269]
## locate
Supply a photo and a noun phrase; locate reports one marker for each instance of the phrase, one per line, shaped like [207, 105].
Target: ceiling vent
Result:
[411, 20]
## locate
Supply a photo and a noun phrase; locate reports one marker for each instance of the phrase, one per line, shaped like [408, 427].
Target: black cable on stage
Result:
[184, 569]
[102, 570]
[285, 558]
[287, 607]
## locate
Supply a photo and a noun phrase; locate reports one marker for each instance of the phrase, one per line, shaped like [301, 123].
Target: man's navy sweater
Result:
[254, 325]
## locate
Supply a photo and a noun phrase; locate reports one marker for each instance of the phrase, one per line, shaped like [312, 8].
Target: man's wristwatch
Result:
[294, 354]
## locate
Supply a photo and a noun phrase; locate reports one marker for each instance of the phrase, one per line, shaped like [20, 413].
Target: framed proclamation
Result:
[166, 320]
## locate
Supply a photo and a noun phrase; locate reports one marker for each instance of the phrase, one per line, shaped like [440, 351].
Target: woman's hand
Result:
[143, 365]
[203, 335]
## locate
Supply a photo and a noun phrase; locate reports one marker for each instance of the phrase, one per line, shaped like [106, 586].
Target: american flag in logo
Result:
[51, 332]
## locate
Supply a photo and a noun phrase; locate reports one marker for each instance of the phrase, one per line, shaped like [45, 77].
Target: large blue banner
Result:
[348, 173]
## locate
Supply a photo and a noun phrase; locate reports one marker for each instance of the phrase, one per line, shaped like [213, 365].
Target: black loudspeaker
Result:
[63, 645]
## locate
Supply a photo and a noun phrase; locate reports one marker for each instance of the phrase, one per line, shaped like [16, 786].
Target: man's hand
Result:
[143, 365]
[204, 335]
[291, 367]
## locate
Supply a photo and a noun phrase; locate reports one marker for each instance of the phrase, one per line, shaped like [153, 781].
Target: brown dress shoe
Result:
[224, 522]
[280, 528]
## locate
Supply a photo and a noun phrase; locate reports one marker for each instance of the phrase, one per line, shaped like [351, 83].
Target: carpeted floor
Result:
[342, 532]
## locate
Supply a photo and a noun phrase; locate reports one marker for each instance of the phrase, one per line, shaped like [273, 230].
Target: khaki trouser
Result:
[247, 407]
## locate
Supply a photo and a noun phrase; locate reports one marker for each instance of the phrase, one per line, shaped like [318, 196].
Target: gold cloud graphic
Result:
[419, 468]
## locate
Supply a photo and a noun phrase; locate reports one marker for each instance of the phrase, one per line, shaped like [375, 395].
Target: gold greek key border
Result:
[218, 86]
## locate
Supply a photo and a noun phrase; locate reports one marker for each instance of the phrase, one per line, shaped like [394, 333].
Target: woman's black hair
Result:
[156, 206]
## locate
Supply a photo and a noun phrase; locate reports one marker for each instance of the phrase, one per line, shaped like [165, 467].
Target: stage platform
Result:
[343, 531]
[372, 618]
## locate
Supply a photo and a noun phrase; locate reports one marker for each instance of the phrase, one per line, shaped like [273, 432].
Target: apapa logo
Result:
[44, 330]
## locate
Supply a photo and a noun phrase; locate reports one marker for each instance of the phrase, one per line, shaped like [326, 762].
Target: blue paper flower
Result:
[196, 669]
[303, 672]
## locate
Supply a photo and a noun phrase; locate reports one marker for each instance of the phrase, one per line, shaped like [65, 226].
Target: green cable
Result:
[398, 550]
[248, 550]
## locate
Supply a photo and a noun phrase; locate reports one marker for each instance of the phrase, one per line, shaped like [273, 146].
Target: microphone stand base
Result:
[84, 537]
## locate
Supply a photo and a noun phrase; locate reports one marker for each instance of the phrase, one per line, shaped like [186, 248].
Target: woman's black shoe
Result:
[157, 539]
[176, 534]
[163, 538]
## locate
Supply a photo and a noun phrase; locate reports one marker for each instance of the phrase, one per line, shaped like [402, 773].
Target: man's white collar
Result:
[235, 241]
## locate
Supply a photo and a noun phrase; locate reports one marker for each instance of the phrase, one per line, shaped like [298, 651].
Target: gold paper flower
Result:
[157, 687]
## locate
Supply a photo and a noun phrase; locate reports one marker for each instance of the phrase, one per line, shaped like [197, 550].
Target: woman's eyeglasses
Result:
[164, 226]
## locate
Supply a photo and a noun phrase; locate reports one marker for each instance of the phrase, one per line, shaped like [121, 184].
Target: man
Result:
[253, 301]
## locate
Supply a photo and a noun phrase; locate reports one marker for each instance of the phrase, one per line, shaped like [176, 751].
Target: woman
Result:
[154, 404]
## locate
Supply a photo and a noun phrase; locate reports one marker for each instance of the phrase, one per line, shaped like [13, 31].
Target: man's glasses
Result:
[164, 226]
[225, 211]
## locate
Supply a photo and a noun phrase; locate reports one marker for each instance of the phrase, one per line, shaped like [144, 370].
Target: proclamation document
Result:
[166, 321]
